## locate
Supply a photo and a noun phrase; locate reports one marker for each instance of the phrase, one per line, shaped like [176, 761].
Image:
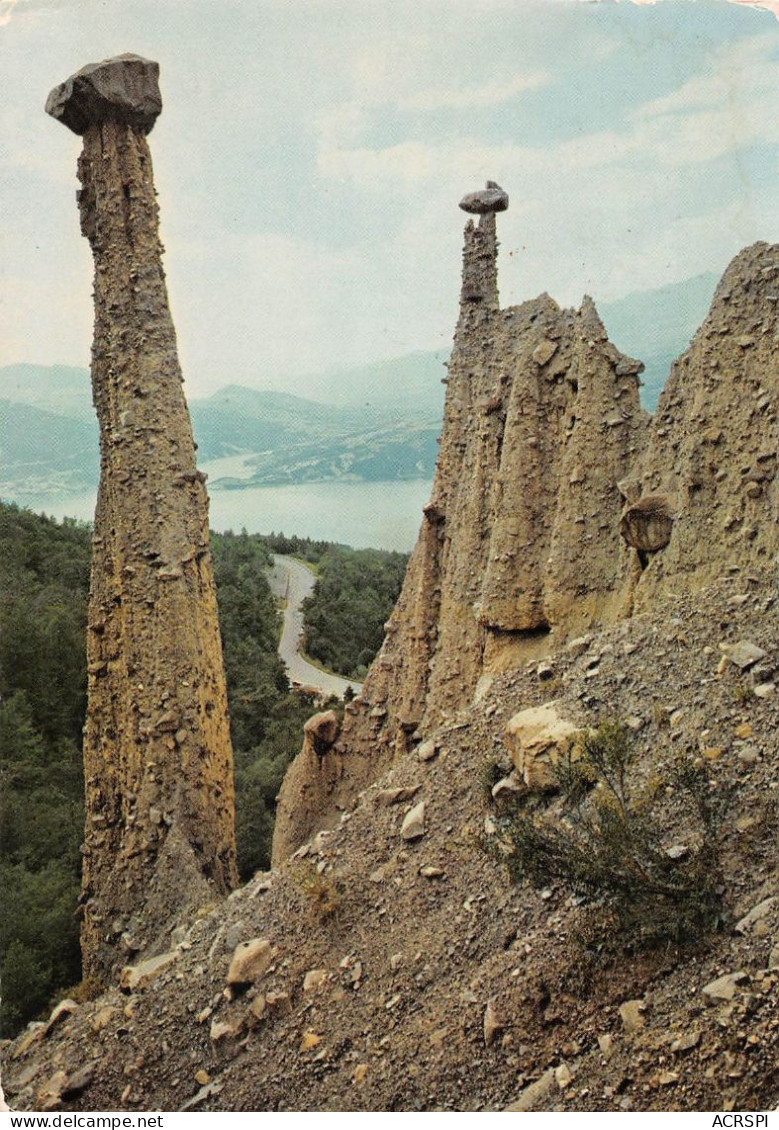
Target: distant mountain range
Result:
[378, 421]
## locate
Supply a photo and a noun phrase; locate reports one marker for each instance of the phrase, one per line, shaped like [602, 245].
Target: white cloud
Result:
[6, 11]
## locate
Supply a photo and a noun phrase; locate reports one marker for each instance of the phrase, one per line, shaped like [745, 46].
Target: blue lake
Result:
[384, 515]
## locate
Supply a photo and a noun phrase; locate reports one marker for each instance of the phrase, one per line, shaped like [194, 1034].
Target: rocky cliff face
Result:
[519, 546]
[711, 459]
[157, 757]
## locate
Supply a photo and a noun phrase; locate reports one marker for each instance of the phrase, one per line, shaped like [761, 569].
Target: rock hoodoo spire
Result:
[157, 754]
[480, 250]
[519, 546]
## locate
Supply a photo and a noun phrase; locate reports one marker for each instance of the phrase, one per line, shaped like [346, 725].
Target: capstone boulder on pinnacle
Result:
[491, 198]
[123, 89]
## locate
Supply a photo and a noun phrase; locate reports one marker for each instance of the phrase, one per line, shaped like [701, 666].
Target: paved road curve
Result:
[294, 581]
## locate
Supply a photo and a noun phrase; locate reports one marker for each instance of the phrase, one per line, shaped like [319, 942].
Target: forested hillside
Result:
[344, 617]
[44, 585]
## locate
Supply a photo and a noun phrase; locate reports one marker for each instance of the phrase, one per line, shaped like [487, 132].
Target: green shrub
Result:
[611, 845]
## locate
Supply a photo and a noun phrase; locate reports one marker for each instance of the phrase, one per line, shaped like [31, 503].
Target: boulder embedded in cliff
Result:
[123, 89]
[320, 731]
[648, 523]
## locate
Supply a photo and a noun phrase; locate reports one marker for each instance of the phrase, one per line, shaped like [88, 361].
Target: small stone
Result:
[544, 352]
[78, 1081]
[359, 1073]
[278, 1001]
[668, 1078]
[743, 731]
[578, 646]
[314, 979]
[723, 988]
[686, 1042]
[507, 786]
[310, 1040]
[223, 1030]
[606, 1045]
[756, 914]
[742, 654]
[773, 959]
[396, 796]
[428, 750]
[431, 872]
[202, 1077]
[544, 671]
[135, 977]
[677, 851]
[63, 1010]
[563, 1076]
[50, 1094]
[413, 826]
[493, 1024]
[630, 1015]
[535, 1093]
[250, 961]
[765, 690]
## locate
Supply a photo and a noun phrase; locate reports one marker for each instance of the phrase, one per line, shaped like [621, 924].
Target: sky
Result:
[311, 154]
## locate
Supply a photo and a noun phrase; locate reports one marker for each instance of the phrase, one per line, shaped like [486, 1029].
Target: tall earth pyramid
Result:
[519, 547]
[158, 769]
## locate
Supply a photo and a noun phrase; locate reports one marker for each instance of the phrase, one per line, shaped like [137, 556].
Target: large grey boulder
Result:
[124, 89]
[492, 198]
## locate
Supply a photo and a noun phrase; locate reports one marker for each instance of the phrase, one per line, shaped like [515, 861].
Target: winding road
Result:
[293, 581]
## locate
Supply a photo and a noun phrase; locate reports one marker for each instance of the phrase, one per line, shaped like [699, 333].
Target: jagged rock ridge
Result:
[714, 440]
[159, 834]
[558, 505]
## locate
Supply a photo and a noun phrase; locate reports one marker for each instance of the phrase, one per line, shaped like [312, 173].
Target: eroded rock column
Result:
[157, 756]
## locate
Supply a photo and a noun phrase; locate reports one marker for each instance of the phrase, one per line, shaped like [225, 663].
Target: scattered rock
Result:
[563, 1076]
[533, 1095]
[224, 1030]
[427, 750]
[50, 1094]
[250, 961]
[63, 1010]
[742, 654]
[756, 914]
[134, 977]
[396, 796]
[309, 1040]
[723, 988]
[545, 351]
[493, 1023]
[536, 739]
[686, 1042]
[606, 1045]
[314, 979]
[630, 1015]
[413, 826]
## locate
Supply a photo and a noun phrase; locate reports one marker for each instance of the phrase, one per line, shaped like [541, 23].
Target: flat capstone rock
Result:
[489, 199]
[124, 89]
